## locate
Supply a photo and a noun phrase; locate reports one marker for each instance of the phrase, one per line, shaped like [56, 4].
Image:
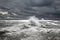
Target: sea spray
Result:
[33, 21]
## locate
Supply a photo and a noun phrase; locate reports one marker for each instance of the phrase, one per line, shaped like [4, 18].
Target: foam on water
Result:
[31, 22]
[34, 21]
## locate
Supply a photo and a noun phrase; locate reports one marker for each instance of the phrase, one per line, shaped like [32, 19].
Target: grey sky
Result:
[24, 8]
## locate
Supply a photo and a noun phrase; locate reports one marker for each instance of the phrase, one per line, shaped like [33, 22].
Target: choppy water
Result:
[32, 21]
[29, 25]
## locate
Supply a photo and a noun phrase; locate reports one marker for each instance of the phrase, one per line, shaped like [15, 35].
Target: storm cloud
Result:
[21, 9]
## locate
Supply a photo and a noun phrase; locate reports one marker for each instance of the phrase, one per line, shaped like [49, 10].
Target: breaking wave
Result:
[31, 22]
[20, 29]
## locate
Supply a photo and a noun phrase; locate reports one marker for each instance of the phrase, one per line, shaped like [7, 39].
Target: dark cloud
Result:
[40, 2]
[25, 8]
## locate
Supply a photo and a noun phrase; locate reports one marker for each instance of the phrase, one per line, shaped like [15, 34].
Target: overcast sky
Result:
[21, 9]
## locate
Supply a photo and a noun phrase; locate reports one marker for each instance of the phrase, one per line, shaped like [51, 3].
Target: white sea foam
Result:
[31, 22]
